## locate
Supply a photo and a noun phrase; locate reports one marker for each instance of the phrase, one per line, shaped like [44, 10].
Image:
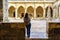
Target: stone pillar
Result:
[44, 13]
[59, 12]
[5, 10]
[16, 13]
[48, 13]
[54, 14]
[34, 11]
[25, 8]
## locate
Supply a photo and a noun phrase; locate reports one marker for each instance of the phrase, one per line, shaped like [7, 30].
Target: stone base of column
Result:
[5, 20]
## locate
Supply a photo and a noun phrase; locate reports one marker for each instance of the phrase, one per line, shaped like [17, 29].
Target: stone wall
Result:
[54, 31]
[9, 33]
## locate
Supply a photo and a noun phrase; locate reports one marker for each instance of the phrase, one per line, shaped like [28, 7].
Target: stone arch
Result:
[51, 11]
[39, 11]
[11, 11]
[30, 10]
[20, 12]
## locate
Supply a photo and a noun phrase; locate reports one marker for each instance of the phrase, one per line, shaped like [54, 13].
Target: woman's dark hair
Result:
[26, 15]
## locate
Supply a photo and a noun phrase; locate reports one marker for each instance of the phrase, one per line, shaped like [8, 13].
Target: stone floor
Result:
[54, 34]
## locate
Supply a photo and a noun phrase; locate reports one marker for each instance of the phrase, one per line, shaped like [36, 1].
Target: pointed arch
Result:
[30, 10]
[11, 11]
[20, 11]
[39, 11]
[51, 12]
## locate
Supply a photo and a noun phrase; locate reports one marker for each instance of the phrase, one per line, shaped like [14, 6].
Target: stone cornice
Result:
[31, 2]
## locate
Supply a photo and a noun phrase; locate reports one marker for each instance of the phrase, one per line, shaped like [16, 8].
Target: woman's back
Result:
[26, 19]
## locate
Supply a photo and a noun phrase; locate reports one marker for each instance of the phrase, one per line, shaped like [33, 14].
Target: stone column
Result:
[34, 11]
[16, 13]
[48, 13]
[5, 10]
[59, 12]
[54, 14]
[25, 8]
[44, 13]
[55, 11]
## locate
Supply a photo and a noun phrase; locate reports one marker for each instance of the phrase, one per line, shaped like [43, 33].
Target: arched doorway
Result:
[30, 10]
[39, 12]
[20, 12]
[51, 12]
[11, 11]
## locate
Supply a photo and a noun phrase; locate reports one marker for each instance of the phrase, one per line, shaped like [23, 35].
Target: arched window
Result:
[20, 11]
[30, 10]
[51, 12]
[39, 11]
[11, 11]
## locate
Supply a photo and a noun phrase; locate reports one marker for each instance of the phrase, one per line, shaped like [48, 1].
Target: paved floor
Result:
[38, 29]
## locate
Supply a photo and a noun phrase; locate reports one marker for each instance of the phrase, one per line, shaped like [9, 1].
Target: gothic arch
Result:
[11, 11]
[20, 11]
[39, 11]
[30, 10]
[51, 11]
